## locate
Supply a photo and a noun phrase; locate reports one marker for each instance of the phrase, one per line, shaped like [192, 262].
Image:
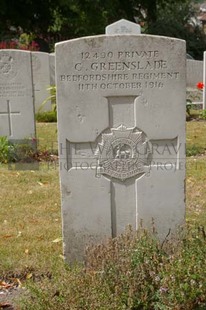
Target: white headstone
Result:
[41, 80]
[194, 72]
[123, 26]
[204, 82]
[121, 125]
[16, 95]
[52, 68]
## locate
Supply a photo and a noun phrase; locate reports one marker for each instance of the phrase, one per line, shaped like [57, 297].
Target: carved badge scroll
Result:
[124, 153]
[7, 66]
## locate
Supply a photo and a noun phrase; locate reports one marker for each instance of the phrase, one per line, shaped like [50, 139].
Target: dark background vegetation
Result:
[50, 21]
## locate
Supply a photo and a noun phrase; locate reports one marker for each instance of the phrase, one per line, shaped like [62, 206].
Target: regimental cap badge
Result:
[7, 66]
[124, 153]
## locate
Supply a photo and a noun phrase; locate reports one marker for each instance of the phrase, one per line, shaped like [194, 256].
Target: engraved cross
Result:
[9, 114]
[124, 154]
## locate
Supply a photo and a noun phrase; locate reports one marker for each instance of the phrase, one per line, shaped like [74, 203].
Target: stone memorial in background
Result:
[16, 95]
[41, 80]
[194, 72]
[121, 130]
[123, 26]
[52, 68]
[204, 81]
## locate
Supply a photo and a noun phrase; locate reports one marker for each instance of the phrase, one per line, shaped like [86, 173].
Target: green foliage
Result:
[193, 150]
[61, 19]
[203, 114]
[31, 16]
[175, 20]
[132, 271]
[47, 117]
[51, 97]
[7, 150]
[21, 150]
[196, 137]
[19, 44]
[188, 107]
[3, 149]
[192, 110]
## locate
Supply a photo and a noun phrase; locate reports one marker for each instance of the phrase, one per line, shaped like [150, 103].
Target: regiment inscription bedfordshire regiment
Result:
[121, 126]
[127, 70]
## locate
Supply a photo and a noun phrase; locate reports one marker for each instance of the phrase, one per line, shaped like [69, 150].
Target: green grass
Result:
[50, 117]
[196, 138]
[196, 190]
[47, 136]
[30, 218]
[127, 272]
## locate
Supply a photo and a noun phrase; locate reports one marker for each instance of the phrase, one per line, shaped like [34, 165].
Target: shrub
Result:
[189, 106]
[7, 151]
[17, 150]
[48, 117]
[51, 97]
[203, 114]
[24, 42]
[133, 271]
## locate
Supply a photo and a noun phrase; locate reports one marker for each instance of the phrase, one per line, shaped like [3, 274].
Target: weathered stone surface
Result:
[194, 72]
[41, 80]
[52, 68]
[121, 124]
[16, 95]
[123, 26]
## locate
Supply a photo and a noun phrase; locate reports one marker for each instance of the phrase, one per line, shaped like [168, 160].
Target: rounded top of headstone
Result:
[123, 26]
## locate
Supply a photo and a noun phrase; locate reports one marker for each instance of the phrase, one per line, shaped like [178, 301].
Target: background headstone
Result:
[123, 27]
[194, 72]
[16, 95]
[194, 76]
[52, 68]
[41, 80]
[204, 81]
[121, 125]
